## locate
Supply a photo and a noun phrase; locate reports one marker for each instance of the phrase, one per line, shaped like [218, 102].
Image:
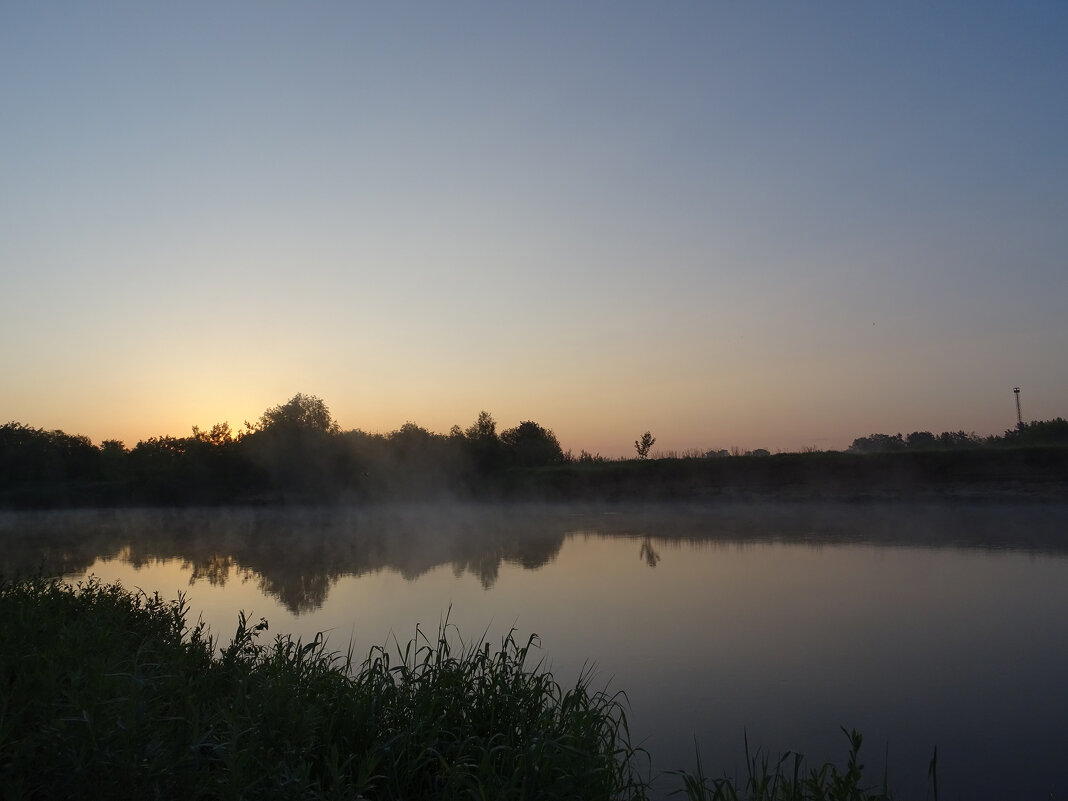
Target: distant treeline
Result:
[1044, 432]
[294, 452]
[297, 453]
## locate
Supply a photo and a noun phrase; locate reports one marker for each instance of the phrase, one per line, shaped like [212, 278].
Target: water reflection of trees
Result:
[216, 570]
[297, 555]
[649, 553]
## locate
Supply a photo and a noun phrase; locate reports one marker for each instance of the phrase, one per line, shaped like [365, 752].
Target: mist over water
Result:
[919, 625]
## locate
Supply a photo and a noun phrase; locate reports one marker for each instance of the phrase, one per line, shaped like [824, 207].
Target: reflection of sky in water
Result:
[914, 646]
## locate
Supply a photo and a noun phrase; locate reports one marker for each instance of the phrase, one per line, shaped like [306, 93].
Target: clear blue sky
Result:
[763, 225]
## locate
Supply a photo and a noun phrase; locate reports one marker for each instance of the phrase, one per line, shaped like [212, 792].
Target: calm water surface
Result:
[917, 625]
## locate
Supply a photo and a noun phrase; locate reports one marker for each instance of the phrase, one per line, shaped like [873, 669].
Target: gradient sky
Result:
[756, 225]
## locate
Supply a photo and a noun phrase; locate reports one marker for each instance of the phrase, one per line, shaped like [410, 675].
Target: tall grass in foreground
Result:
[105, 692]
[109, 692]
[790, 780]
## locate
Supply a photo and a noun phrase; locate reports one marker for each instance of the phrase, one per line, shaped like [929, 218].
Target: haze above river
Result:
[919, 625]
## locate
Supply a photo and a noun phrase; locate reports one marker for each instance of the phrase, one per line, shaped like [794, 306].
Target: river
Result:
[919, 625]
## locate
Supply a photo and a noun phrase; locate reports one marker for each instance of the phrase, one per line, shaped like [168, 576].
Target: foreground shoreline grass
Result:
[108, 692]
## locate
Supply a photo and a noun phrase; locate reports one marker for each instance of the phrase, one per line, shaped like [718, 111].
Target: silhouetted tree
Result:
[298, 447]
[530, 445]
[485, 427]
[219, 435]
[643, 445]
[485, 449]
[301, 412]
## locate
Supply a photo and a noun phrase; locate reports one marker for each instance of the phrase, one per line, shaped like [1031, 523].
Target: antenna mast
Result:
[1019, 417]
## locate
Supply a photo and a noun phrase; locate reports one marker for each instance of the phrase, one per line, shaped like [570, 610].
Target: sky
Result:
[776, 225]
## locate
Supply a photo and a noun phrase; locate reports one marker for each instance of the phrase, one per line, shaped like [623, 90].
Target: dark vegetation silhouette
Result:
[1042, 432]
[116, 694]
[643, 445]
[530, 445]
[297, 453]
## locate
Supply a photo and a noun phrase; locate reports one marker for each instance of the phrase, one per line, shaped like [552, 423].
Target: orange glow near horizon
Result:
[579, 426]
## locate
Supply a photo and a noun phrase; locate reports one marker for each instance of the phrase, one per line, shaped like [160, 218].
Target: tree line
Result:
[1037, 433]
[295, 451]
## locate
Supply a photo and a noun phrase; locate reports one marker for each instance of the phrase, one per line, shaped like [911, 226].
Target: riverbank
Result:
[1001, 474]
[995, 474]
[113, 690]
